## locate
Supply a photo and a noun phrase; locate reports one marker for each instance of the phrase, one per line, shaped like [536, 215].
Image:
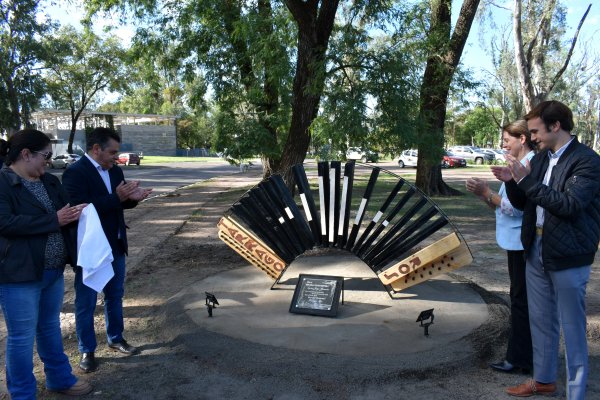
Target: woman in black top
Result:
[37, 239]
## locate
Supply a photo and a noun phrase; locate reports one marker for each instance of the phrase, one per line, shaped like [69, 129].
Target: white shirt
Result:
[103, 173]
[554, 157]
[509, 219]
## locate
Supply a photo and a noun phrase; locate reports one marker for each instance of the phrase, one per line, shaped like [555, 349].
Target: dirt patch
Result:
[174, 245]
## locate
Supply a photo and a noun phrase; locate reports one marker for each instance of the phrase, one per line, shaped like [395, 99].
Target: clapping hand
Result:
[124, 190]
[501, 173]
[477, 186]
[139, 194]
[68, 214]
[517, 169]
[132, 191]
[514, 170]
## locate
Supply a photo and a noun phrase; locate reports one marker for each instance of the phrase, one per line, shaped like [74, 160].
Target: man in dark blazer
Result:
[95, 179]
[559, 193]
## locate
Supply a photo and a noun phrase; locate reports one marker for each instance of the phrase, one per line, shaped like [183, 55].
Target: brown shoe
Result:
[530, 388]
[80, 388]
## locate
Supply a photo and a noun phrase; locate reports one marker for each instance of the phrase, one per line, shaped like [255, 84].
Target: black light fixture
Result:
[211, 302]
[423, 317]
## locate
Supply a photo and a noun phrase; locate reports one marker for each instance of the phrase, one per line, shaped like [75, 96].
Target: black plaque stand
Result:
[317, 295]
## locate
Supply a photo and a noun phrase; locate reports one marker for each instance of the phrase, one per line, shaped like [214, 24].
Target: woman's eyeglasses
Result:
[47, 155]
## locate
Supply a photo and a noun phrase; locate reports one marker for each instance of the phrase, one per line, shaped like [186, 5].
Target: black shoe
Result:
[503, 366]
[88, 362]
[123, 347]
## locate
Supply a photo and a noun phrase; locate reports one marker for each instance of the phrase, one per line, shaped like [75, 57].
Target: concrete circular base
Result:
[368, 323]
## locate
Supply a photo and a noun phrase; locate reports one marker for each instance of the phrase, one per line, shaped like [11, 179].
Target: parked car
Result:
[128, 159]
[449, 160]
[500, 155]
[408, 158]
[490, 152]
[63, 160]
[472, 153]
[355, 153]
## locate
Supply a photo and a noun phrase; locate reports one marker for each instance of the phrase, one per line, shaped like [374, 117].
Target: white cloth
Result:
[94, 254]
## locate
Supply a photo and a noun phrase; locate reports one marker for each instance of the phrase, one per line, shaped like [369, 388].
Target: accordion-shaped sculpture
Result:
[400, 233]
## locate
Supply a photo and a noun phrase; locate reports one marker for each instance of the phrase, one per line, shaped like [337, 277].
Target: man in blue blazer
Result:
[95, 179]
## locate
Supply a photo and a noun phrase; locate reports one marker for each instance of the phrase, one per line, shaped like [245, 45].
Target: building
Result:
[151, 134]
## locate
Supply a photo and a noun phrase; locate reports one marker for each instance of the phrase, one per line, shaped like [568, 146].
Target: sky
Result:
[474, 56]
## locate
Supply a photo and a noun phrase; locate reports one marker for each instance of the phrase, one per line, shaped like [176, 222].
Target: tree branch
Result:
[573, 42]
[461, 30]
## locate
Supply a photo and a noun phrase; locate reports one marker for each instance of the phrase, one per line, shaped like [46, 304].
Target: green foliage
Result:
[81, 65]
[480, 128]
[195, 131]
[371, 94]
[21, 85]
[245, 53]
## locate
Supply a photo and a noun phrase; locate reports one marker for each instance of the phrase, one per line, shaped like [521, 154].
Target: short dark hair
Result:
[550, 112]
[518, 128]
[31, 139]
[100, 136]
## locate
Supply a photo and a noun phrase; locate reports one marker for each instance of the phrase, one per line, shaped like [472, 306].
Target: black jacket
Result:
[24, 227]
[84, 185]
[571, 202]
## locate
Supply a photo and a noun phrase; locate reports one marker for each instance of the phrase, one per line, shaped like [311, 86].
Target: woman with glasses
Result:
[37, 239]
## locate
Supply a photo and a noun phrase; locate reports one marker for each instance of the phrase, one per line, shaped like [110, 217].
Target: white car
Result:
[63, 160]
[408, 158]
[500, 155]
[355, 153]
[472, 153]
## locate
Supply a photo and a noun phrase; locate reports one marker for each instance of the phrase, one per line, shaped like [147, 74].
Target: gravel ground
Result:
[173, 244]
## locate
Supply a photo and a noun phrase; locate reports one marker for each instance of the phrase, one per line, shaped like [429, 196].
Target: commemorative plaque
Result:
[317, 295]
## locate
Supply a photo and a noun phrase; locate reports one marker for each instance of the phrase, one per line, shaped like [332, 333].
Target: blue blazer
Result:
[84, 185]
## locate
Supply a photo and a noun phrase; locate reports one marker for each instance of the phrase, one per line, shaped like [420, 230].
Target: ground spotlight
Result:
[423, 319]
[211, 302]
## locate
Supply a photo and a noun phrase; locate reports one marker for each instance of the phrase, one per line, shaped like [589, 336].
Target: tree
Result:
[82, 64]
[21, 85]
[444, 56]
[537, 43]
[195, 130]
[374, 71]
[503, 88]
[246, 50]
[315, 24]
[481, 128]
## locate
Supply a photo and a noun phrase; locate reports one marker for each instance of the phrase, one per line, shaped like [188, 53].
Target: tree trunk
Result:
[314, 30]
[74, 118]
[15, 115]
[441, 64]
[521, 63]
[531, 62]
